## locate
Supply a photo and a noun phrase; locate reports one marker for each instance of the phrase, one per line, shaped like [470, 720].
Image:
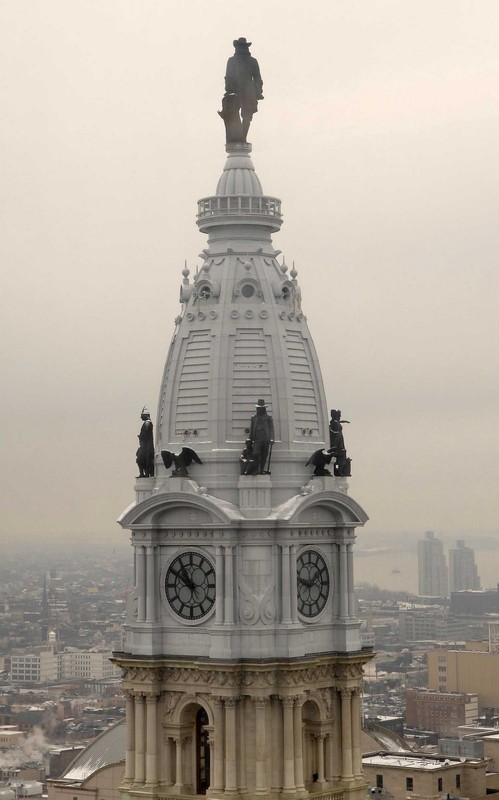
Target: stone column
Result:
[229, 586]
[343, 581]
[294, 587]
[336, 743]
[319, 743]
[356, 733]
[141, 583]
[298, 742]
[346, 735]
[178, 763]
[242, 744]
[218, 756]
[211, 743]
[328, 758]
[261, 780]
[230, 745]
[150, 584]
[139, 738]
[166, 763]
[276, 746]
[152, 740]
[289, 746]
[286, 584]
[351, 596]
[130, 739]
[219, 579]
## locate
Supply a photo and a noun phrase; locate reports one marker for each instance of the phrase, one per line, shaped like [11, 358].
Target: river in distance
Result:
[390, 561]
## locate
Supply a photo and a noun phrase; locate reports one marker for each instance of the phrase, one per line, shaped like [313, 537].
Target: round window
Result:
[247, 290]
[205, 292]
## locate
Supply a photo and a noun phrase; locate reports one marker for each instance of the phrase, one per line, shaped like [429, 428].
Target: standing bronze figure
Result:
[261, 436]
[342, 467]
[243, 90]
[145, 453]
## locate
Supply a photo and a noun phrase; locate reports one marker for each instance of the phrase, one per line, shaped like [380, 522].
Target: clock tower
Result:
[242, 657]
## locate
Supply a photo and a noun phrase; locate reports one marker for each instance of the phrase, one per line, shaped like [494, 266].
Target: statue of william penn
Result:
[243, 90]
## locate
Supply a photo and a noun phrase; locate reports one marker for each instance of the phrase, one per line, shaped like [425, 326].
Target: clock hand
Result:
[186, 579]
[305, 582]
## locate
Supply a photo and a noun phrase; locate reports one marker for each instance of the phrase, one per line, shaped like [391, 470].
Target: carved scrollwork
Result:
[255, 607]
[261, 702]
[131, 606]
[171, 702]
[287, 701]
[326, 696]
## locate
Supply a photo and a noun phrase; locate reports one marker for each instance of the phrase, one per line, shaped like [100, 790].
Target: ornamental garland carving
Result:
[142, 674]
[332, 674]
[349, 671]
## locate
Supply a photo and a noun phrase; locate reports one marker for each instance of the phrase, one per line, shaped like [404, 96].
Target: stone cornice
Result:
[248, 677]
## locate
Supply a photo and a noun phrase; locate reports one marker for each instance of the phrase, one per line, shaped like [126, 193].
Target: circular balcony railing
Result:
[239, 205]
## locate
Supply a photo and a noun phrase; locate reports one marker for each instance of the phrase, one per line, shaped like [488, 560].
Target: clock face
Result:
[313, 583]
[190, 585]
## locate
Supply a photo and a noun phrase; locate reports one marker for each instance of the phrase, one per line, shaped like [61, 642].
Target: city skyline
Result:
[379, 133]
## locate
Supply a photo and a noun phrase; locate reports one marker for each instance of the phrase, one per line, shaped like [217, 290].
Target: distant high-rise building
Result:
[462, 568]
[433, 580]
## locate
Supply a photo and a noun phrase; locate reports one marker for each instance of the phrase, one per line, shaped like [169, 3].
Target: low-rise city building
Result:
[441, 712]
[469, 670]
[47, 665]
[403, 775]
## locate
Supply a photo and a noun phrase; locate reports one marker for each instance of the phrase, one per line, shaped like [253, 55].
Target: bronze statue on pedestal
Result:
[243, 90]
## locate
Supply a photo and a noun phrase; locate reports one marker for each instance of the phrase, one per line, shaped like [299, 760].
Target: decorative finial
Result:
[293, 272]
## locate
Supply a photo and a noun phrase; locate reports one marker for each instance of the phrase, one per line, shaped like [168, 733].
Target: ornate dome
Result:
[239, 176]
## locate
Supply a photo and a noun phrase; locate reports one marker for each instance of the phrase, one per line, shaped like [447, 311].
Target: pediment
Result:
[173, 510]
[181, 515]
[329, 508]
[324, 514]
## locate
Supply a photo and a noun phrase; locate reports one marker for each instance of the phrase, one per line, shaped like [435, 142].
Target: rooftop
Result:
[412, 762]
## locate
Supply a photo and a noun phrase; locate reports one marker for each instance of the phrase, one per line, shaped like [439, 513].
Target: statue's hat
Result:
[241, 42]
[261, 404]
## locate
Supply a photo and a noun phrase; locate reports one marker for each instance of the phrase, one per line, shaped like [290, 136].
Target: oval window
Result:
[247, 290]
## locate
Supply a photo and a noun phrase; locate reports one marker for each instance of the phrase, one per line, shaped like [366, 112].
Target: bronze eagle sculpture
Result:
[181, 461]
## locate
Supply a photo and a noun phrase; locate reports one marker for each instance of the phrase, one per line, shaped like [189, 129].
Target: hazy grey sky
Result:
[379, 131]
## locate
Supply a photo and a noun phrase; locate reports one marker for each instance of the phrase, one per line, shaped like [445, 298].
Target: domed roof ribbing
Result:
[239, 176]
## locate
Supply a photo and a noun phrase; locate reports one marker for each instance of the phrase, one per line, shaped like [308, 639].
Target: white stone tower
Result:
[242, 657]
